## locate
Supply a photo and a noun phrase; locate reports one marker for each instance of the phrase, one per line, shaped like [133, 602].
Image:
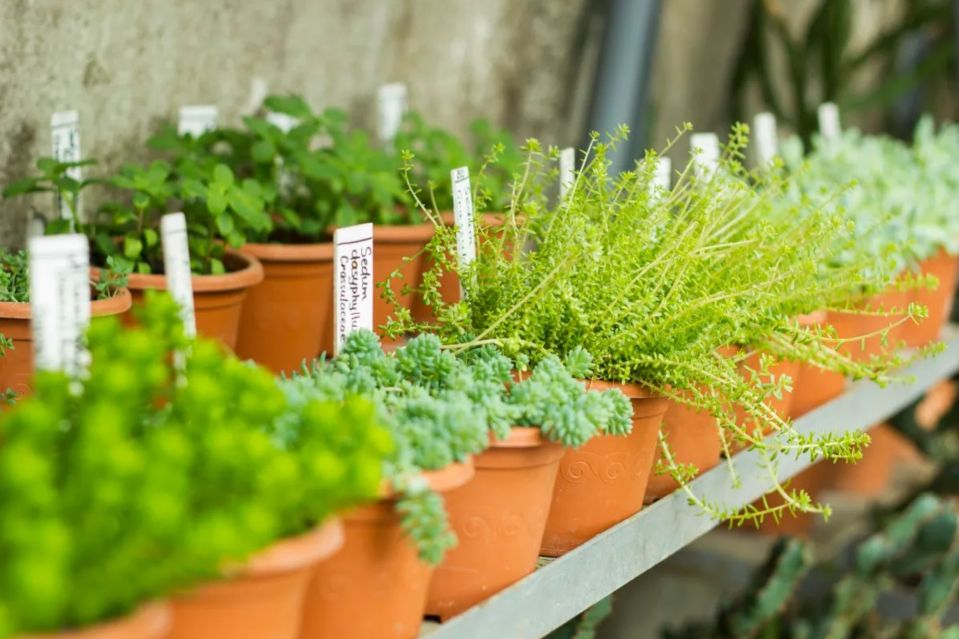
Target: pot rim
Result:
[631, 390]
[292, 553]
[114, 305]
[521, 437]
[402, 233]
[153, 614]
[282, 252]
[250, 274]
[444, 479]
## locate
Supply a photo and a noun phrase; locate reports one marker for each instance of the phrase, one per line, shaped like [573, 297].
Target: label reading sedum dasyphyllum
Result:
[65, 134]
[567, 170]
[176, 266]
[766, 137]
[705, 149]
[197, 120]
[59, 302]
[390, 109]
[353, 286]
[829, 127]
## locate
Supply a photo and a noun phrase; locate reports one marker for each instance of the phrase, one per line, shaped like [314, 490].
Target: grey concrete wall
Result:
[126, 65]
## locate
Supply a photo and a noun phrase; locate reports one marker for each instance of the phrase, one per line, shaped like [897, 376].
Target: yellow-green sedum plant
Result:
[654, 285]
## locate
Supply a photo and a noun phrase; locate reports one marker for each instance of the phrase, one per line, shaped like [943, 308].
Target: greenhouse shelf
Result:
[560, 589]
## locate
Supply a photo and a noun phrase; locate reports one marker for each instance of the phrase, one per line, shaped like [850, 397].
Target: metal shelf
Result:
[561, 589]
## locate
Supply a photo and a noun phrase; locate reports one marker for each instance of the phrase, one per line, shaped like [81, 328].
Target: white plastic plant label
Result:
[197, 120]
[662, 176]
[176, 265]
[65, 135]
[463, 216]
[567, 170]
[283, 121]
[829, 126]
[390, 109]
[705, 149]
[353, 285]
[766, 137]
[59, 301]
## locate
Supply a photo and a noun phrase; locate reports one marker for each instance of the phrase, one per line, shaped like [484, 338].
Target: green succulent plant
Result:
[121, 488]
[441, 408]
[655, 284]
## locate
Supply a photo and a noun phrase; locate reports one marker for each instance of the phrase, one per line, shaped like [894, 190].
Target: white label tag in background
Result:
[463, 216]
[567, 170]
[766, 137]
[197, 120]
[662, 176]
[176, 266]
[705, 148]
[829, 127]
[65, 134]
[59, 302]
[283, 121]
[353, 285]
[390, 107]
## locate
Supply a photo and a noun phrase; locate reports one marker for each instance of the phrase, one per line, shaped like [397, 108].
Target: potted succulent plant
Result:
[135, 488]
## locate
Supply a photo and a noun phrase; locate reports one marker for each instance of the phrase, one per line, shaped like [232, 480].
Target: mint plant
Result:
[656, 284]
[54, 178]
[119, 488]
[441, 408]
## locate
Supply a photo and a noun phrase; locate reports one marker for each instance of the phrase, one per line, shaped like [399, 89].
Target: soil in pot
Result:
[376, 585]
[265, 600]
[399, 248]
[499, 518]
[16, 365]
[217, 299]
[150, 621]
[604, 482]
[938, 301]
[288, 317]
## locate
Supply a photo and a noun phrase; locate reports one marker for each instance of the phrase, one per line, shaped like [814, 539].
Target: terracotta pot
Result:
[693, 438]
[376, 585]
[217, 299]
[813, 480]
[498, 518]
[814, 386]
[870, 475]
[288, 317]
[391, 244]
[938, 302]
[265, 600]
[16, 365]
[781, 405]
[147, 622]
[604, 482]
[852, 325]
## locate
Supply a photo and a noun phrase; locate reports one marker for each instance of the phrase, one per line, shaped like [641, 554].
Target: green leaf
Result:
[216, 201]
[141, 200]
[216, 266]
[223, 175]
[224, 224]
[263, 151]
[132, 248]
[150, 237]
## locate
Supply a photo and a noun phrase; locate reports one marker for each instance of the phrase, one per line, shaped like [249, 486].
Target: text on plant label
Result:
[65, 135]
[353, 281]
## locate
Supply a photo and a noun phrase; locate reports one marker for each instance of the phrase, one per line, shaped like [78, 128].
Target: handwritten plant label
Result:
[197, 120]
[662, 176]
[59, 302]
[176, 265]
[567, 170]
[705, 148]
[353, 286]
[829, 127]
[390, 108]
[65, 134]
[766, 136]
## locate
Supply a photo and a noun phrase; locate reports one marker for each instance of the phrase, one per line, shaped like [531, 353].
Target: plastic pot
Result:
[376, 585]
[217, 299]
[498, 518]
[938, 301]
[288, 317]
[263, 601]
[604, 482]
[150, 621]
[16, 365]
[693, 438]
